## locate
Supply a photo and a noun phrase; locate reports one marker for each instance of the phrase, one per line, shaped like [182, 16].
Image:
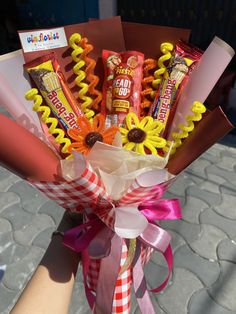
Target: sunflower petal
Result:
[111, 131]
[146, 123]
[74, 134]
[157, 144]
[129, 145]
[75, 146]
[140, 149]
[149, 146]
[132, 120]
[123, 131]
[99, 123]
[84, 125]
[124, 140]
[156, 126]
[156, 138]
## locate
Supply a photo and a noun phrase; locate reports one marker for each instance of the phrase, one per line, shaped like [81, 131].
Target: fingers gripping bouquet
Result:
[110, 153]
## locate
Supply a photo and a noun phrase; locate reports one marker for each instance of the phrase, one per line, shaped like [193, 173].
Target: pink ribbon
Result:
[161, 209]
[84, 238]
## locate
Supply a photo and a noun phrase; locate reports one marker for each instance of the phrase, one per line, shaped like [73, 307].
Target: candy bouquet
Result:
[115, 118]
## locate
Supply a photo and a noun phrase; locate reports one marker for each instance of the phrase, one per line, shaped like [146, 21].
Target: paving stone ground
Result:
[204, 240]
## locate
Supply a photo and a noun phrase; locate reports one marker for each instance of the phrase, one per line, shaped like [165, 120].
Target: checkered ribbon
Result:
[121, 301]
[88, 194]
[137, 194]
[76, 195]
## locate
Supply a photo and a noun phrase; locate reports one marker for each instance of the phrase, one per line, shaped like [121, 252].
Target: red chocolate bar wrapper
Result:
[182, 63]
[46, 74]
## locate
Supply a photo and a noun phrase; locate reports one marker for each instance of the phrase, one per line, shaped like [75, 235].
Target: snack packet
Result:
[122, 85]
[181, 65]
[46, 73]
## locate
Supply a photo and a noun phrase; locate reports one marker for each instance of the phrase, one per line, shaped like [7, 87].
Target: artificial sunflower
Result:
[142, 136]
[89, 133]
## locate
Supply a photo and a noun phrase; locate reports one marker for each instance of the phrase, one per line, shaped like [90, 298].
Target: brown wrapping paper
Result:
[25, 154]
[213, 127]
[148, 38]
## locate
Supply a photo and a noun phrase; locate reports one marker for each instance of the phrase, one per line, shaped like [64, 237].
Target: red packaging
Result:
[122, 85]
[47, 75]
[182, 63]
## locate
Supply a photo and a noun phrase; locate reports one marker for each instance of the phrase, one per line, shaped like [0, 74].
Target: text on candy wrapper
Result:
[165, 100]
[61, 109]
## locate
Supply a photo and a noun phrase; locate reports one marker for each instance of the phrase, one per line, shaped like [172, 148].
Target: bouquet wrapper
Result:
[108, 269]
[12, 89]
[148, 38]
[102, 239]
[208, 134]
[11, 103]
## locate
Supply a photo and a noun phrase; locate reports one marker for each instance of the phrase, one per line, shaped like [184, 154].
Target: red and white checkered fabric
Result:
[121, 300]
[137, 194]
[88, 192]
[76, 195]
[105, 211]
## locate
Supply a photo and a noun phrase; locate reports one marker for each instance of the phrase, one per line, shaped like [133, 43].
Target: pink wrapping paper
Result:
[13, 86]
[204, 77]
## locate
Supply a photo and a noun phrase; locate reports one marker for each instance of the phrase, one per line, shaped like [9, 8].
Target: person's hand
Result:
[50, 288]
[70, 220]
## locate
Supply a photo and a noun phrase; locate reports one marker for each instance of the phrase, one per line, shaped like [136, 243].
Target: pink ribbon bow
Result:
[95, 239]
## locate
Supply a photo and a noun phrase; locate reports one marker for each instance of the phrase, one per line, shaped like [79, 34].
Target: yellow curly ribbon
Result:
[166, 48]
[32, 95]
[80, 74]
[130, 257]
[198, 109]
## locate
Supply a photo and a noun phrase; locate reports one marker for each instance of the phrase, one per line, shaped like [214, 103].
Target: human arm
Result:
[50, 288]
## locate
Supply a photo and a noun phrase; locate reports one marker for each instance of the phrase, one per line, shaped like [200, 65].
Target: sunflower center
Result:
[92, 137]
[136, 135]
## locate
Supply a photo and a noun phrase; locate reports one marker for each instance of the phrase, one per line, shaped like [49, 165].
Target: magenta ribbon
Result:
[95, 239]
